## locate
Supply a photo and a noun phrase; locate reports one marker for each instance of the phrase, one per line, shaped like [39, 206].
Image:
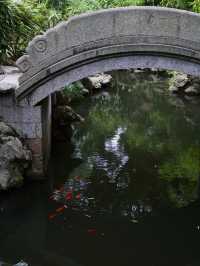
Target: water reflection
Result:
[143, 142]
[125, 191]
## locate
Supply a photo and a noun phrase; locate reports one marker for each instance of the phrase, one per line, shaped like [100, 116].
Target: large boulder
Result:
[14, 158]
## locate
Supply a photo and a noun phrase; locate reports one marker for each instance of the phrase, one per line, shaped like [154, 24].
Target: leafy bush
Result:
[21, 21]
[16, 26]
[196, 6]
[74, 91]
[182, 4]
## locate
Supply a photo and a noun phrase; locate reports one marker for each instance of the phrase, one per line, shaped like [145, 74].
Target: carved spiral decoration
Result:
[41, 45]
[24, 65]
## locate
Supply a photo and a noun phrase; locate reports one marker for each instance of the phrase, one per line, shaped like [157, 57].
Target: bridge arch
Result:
[108, 40]
[122, 38]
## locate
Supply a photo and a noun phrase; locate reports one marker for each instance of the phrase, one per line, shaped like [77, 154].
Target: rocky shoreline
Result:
[14, 158]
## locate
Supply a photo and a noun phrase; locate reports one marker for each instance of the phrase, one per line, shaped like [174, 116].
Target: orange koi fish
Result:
[92, 232]
[60, 209]
[52, 216]
[78, 196]
[69, 195]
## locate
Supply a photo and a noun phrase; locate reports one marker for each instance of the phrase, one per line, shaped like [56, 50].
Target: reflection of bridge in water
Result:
[138, 37]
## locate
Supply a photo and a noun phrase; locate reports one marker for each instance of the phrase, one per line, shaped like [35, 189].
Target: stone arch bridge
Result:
[122, 38]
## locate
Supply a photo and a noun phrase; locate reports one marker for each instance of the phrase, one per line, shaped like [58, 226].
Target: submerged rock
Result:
[14, 158]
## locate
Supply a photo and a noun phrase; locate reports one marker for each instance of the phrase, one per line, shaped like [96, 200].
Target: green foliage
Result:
[181, 176]
[181, 4]
[196, 6]
[16, 25]
[21, 21]
[120, 3]
[74, 91]
[169, 153]
[56, 4]
[76, 7]
[185, 166]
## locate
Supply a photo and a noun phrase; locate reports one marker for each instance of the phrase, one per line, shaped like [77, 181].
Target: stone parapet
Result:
[145, 31]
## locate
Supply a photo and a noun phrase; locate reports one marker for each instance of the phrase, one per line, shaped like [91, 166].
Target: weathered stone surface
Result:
[105, 65]
[181, 80]
[25, 119]
[97, 82]
[185, 84]
[192, 90]
[14, 158]
[169, 35]
[8, 79]
[5, 130]
[173, 89]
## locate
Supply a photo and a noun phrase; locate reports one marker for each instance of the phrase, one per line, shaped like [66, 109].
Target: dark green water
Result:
[125, 191]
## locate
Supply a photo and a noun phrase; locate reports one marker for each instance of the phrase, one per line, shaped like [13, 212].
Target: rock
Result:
[8, 79]
[100, 80]
[97, 82]
[192, 90]
[10, 69]
[180, 80]
[6, 87]
[21, 263]
[5, 130]
[14, 158]
[173, 89]
[185, 85]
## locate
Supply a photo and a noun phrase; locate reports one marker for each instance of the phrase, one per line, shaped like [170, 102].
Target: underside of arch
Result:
[67, 76]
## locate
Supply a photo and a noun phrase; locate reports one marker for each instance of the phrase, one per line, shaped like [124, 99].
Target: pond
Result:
[123, 191]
